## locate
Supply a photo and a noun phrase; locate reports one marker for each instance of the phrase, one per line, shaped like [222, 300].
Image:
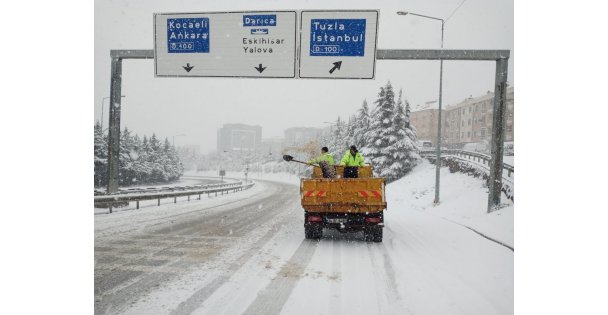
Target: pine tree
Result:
[158, 171]
[401, 152]
[361, 126]
[100, 157]
[378, 136]
[350, 130]
[125, 161]
[338, 141]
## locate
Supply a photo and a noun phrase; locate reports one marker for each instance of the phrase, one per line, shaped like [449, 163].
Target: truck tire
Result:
[311, 232]
[373, 234]
[378, 234]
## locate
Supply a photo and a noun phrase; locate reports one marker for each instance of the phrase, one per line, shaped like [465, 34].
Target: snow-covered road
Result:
[249, 256]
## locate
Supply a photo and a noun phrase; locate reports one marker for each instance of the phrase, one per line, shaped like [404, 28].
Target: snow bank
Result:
[463, 200]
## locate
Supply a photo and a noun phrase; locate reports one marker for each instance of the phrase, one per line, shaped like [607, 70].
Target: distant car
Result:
[509, 148]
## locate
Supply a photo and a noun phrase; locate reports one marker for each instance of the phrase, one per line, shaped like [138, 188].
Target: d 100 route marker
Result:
[338, 44]
[225, 44]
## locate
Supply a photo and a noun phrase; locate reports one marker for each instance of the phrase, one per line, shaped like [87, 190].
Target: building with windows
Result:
[425, 118]
[471, 120]
[466, 122]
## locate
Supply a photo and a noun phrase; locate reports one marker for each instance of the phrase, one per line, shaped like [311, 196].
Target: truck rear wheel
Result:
[373, 233]
[312, 232]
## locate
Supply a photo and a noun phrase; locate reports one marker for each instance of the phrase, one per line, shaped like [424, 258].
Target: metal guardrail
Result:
[168, 188]
[111, 200]
[474, 156]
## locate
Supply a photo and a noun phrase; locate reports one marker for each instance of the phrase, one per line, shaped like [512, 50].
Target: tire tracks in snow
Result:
[335, 305]
[386, 278]
[118, 291]
[272, 299]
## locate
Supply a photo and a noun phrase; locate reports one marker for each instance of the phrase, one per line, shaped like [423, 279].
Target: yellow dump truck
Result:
[345, 204]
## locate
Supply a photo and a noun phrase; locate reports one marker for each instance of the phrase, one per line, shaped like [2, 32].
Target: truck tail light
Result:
[373, 220]
[314, 218]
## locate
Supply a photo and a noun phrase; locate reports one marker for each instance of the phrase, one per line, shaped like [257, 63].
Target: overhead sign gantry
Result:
[185, 42]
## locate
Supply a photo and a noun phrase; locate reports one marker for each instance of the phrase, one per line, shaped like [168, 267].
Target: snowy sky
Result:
[196, 107]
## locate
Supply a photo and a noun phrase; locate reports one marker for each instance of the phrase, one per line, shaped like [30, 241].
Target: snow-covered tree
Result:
[350, 130]
[100, 156]
[379, 136]
[146, 161]
[338, 141]
[361, 126]
[401, 153]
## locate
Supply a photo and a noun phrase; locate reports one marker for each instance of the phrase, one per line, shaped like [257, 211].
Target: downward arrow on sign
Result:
[188, 67]
[260, 68]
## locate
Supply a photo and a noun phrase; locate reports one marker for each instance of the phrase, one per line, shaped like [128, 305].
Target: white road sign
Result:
[230, 44]
[338, 44]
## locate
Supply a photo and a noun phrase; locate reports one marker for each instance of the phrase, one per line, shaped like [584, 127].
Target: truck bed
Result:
[343, 195]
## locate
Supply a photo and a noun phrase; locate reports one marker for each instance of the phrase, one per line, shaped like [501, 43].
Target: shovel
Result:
[327, 170]
[290, 158]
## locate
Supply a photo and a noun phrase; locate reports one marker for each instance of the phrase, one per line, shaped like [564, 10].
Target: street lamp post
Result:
[438, 149]
[102, 103]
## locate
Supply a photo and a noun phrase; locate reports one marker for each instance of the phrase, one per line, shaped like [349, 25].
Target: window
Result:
[469, 121]
[470, 109]
[469, 134]
[463, 134]
[483, 132]
[462, 124]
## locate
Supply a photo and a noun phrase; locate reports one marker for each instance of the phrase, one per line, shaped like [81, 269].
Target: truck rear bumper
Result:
[343, 221]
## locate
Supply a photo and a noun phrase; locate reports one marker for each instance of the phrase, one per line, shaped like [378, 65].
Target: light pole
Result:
[102, 103]
[180, 135]
[438, 149]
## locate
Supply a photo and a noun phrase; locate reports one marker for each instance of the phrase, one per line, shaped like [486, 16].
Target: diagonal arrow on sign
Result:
[337, 65]
[187, 67]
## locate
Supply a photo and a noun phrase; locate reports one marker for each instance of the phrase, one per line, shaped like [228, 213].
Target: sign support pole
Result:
[498, 123]
[114, 128]
[115, 100]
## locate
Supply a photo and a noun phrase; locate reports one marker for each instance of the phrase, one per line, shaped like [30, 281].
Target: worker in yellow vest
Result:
[351, 161]
[325, 156]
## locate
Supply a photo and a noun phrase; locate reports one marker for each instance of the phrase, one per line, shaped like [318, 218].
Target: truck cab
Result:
[344, 204]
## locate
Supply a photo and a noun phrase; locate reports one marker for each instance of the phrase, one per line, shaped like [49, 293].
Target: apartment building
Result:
[465, 122]
[424, 118]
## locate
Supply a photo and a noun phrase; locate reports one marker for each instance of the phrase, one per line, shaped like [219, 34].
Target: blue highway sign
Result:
[188, 35]
[337, 37]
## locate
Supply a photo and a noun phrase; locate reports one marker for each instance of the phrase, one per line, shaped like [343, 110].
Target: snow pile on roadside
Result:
[463, 200]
